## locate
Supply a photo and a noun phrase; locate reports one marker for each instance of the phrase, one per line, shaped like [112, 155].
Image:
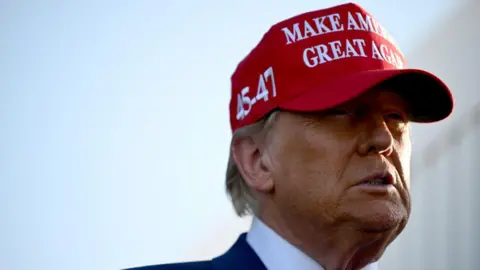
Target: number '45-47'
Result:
[245, 103]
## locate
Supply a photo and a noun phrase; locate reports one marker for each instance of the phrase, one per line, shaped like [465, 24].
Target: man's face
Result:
[320, 160]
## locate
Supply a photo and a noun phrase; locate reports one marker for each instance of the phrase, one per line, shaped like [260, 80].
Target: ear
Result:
[253, 163]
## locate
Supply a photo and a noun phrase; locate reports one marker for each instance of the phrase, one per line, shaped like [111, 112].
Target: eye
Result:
[396, 116]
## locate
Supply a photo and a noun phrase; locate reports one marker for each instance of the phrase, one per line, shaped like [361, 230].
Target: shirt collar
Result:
[278, 254]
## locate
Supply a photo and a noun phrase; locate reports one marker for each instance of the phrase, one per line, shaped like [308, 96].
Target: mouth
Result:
[378, 179]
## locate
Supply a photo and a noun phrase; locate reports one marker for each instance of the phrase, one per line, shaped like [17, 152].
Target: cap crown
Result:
[308, 51]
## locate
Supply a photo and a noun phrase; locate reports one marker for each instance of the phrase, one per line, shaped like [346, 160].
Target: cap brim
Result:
[429, 98]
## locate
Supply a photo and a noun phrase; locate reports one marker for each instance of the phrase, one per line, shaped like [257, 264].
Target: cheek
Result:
[306, 166]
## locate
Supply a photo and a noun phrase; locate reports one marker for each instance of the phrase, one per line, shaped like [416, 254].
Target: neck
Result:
[339, 247]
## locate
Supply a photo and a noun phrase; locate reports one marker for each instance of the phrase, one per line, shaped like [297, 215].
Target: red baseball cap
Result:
[320, 59]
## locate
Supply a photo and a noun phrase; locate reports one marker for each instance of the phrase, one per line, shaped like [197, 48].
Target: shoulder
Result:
[239, 257]
[199, 265]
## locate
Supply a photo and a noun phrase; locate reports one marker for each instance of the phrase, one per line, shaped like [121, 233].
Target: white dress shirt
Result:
[278, 254]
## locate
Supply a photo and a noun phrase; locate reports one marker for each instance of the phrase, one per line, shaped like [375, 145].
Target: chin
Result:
[381, 216]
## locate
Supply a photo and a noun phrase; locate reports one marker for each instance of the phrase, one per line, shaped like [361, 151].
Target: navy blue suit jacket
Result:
[239, 257]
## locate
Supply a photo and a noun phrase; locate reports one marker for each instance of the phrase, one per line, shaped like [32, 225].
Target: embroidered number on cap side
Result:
[269, 74]
[245, 103]
[241, 101]
[262, 91]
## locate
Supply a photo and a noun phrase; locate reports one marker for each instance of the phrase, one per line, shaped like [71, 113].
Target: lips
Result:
[379, 178]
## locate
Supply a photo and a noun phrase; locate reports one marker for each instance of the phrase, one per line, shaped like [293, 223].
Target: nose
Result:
[378, 138]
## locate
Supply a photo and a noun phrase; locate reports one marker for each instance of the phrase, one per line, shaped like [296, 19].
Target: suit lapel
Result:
[239, 257]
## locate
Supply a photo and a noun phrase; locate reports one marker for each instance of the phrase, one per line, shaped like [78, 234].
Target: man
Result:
[320, 155]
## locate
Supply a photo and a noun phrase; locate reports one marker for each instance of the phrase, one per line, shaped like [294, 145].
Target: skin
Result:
[305, 174]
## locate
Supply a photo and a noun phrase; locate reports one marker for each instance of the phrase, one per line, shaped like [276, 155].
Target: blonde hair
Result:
[242, 197]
